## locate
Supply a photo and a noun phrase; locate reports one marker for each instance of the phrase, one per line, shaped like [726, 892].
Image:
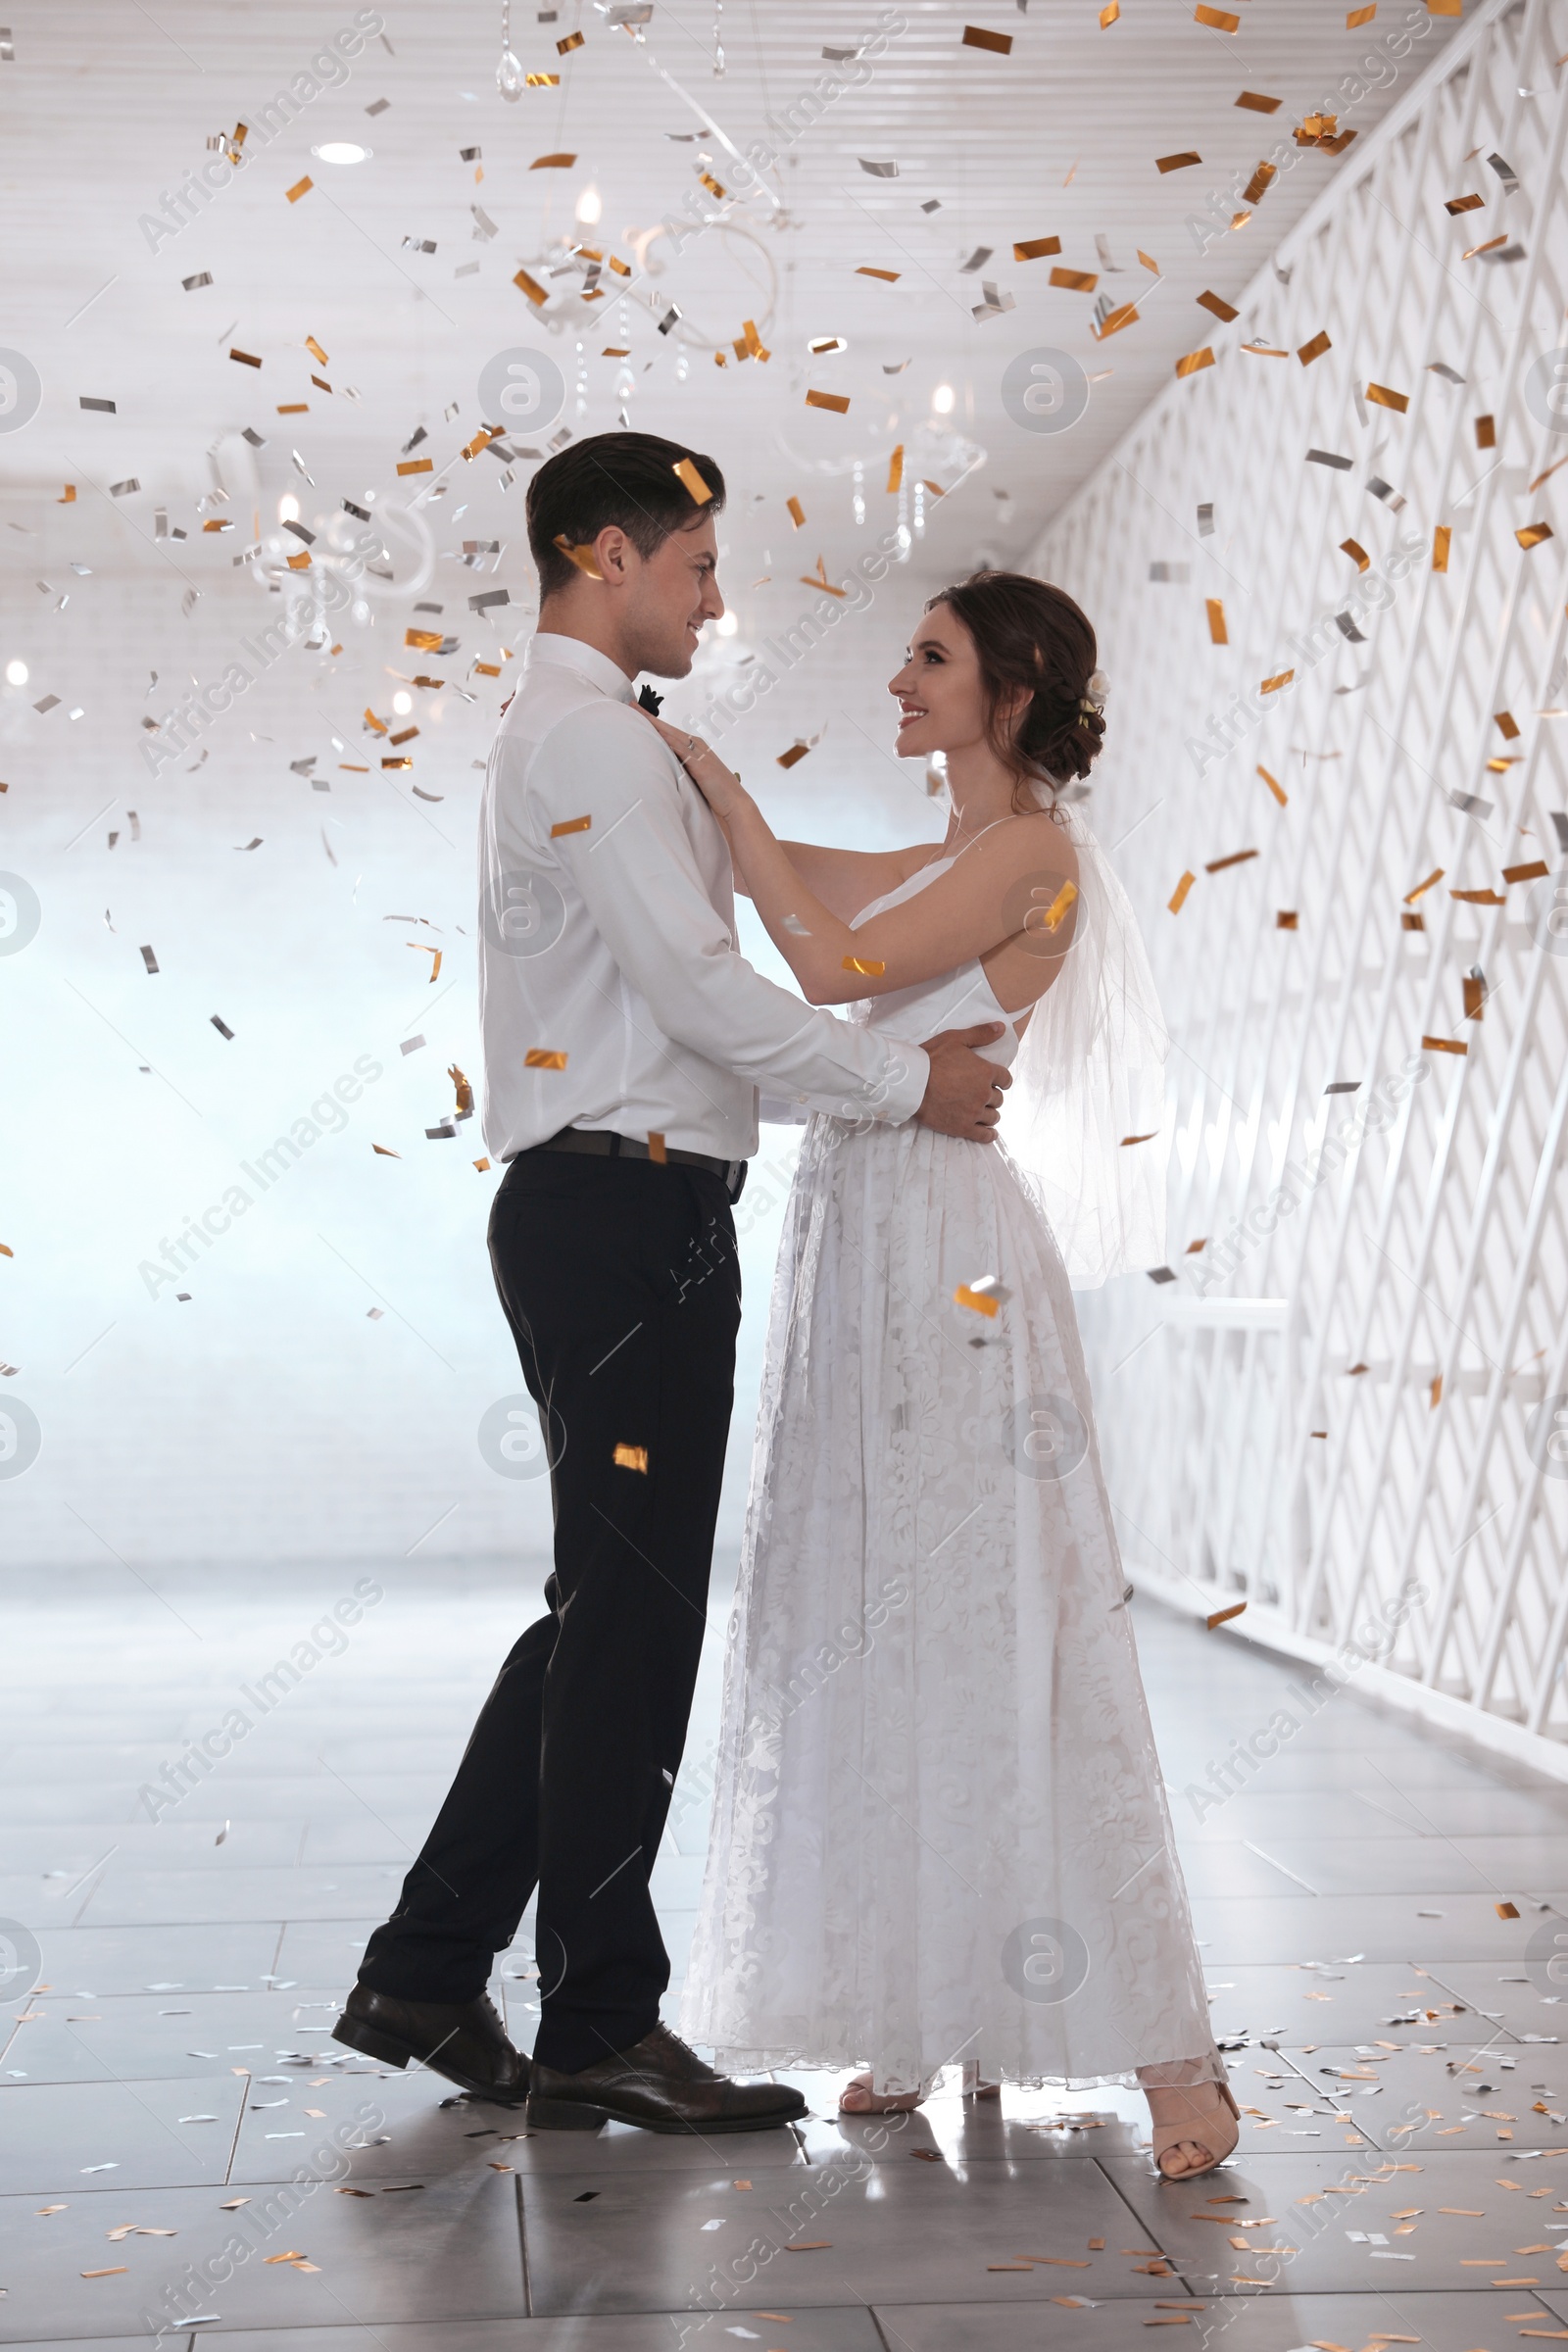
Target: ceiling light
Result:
[402, 703]
[342, 151]
[726, 624]
[589, 206]
[16, 673]
[942, 400]
[288, 508]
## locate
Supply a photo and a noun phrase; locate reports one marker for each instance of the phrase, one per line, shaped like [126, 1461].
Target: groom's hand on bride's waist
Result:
[963, 1094]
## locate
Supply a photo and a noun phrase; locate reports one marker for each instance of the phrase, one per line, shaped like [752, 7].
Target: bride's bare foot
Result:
[1196, 2127]
[857, 2098]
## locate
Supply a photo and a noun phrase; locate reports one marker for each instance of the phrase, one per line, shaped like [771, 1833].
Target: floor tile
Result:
[137, 1959]
[1377, 1926]
[67, 2136]
[131, 1895]
[169, 2035]
[1357, 2192]
[450, 2250]
[1279, 2321]
[892, 2233]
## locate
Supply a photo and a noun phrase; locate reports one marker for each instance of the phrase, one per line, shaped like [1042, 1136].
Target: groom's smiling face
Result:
[669, 594]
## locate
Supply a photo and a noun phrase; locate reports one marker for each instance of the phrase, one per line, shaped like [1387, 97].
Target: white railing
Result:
[1343, 1410]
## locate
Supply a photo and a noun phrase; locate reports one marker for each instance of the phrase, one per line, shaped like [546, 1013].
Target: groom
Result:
[625, 1040]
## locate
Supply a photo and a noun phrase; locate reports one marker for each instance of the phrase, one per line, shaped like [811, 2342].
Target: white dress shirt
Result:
[607, 936]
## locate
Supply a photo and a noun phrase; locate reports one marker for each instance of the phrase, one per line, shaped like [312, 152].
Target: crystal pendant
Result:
[510, 80]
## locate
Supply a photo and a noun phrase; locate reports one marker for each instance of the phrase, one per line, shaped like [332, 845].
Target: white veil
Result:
[1090, 1072]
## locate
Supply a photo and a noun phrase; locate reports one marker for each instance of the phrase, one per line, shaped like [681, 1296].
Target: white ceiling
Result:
[107, 107]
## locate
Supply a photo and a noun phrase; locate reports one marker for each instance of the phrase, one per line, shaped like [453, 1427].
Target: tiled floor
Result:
[175, 2123]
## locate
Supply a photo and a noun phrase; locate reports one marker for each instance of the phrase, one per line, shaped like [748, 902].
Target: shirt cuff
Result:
[905, 1079]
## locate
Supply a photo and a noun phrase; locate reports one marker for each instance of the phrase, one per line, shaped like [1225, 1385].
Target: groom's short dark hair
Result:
[627, 480]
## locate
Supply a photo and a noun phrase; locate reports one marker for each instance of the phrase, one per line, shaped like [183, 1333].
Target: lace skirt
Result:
[939, 1827]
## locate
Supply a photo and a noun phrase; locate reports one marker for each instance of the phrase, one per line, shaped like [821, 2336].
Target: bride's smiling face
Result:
[941, 695]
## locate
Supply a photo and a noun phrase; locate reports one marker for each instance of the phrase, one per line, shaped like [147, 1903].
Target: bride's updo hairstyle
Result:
[1031, 637]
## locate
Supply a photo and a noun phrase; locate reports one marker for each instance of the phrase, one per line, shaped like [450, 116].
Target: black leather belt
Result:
[603, 1144]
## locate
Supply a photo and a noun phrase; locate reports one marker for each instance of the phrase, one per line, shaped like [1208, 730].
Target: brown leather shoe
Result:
[464, 2040]
[660, 2085]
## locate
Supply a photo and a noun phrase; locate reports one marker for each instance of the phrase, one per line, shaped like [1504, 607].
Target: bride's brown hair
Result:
[1031, 637]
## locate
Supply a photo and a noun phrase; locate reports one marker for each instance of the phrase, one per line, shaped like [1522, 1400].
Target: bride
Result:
[939, 1831]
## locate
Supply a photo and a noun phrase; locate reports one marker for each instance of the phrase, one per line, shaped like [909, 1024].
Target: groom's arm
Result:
[639, 881]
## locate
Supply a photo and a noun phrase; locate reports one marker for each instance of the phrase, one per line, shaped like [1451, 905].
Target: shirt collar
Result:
[571, 653]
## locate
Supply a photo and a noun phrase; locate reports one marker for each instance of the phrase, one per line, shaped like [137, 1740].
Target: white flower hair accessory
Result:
[1099, 688]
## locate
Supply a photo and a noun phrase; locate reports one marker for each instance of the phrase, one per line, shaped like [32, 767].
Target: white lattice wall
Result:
[1248, 1458]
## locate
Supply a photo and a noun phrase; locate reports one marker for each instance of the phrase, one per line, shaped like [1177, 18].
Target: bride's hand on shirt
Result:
[719, 787]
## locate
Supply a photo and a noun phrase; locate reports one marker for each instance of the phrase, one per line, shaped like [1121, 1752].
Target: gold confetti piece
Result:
[1109, 15]
[1506, 724]
[1441, 537]
[1114, 322]
[1540, 479]
[797, 750]
[1470, 254]
[371, 721]
[552, 162]
[480, 442]
[1480, 897]
[797, 512]
[245, 358]
[1526, 874]
[423, 641]
[542, 81]
[1273, 685]
[301, 188]
[404, 735]
[690, 479]
[1475, 1001]
[1214, 605]
[1382, 398]
[1265, 351]
[655, 1149]
[1080, 281]
[1360, 16]
[1147, 261]
[811, 2245]
[582, 557]
[838, 402]
[1258, 185]
[1314, 350]
[572, 824]
[869, 969]
[1533, 535]
[1192, 360]
[1463, 204]
[539, 1057]
[976, 37]
[976, 1301]
[531, 287]
[115, 2269]
[483, 1167]
[889, 276]
[69, 498]
[1218, 865]
[1356, 553]
[574, 40]
[1421, 888]
[299, 562]
[488, 669]
[416, 466]
[315, 351]
[1287, 921]
[465, 1093]
[1259, 104]
[1275, 788]
[1176, 163]
[631, 1457]
[1444, 1045]
[1128, 1139]
[294, 408]
[1216, 18]
[1178, 897]
[1057, 912]
[1219, 306]
[1034, 249]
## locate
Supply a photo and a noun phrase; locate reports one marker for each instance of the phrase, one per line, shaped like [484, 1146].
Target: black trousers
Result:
[620, 1282]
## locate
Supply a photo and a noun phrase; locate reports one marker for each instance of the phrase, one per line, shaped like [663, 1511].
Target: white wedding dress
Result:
[939, 1827]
